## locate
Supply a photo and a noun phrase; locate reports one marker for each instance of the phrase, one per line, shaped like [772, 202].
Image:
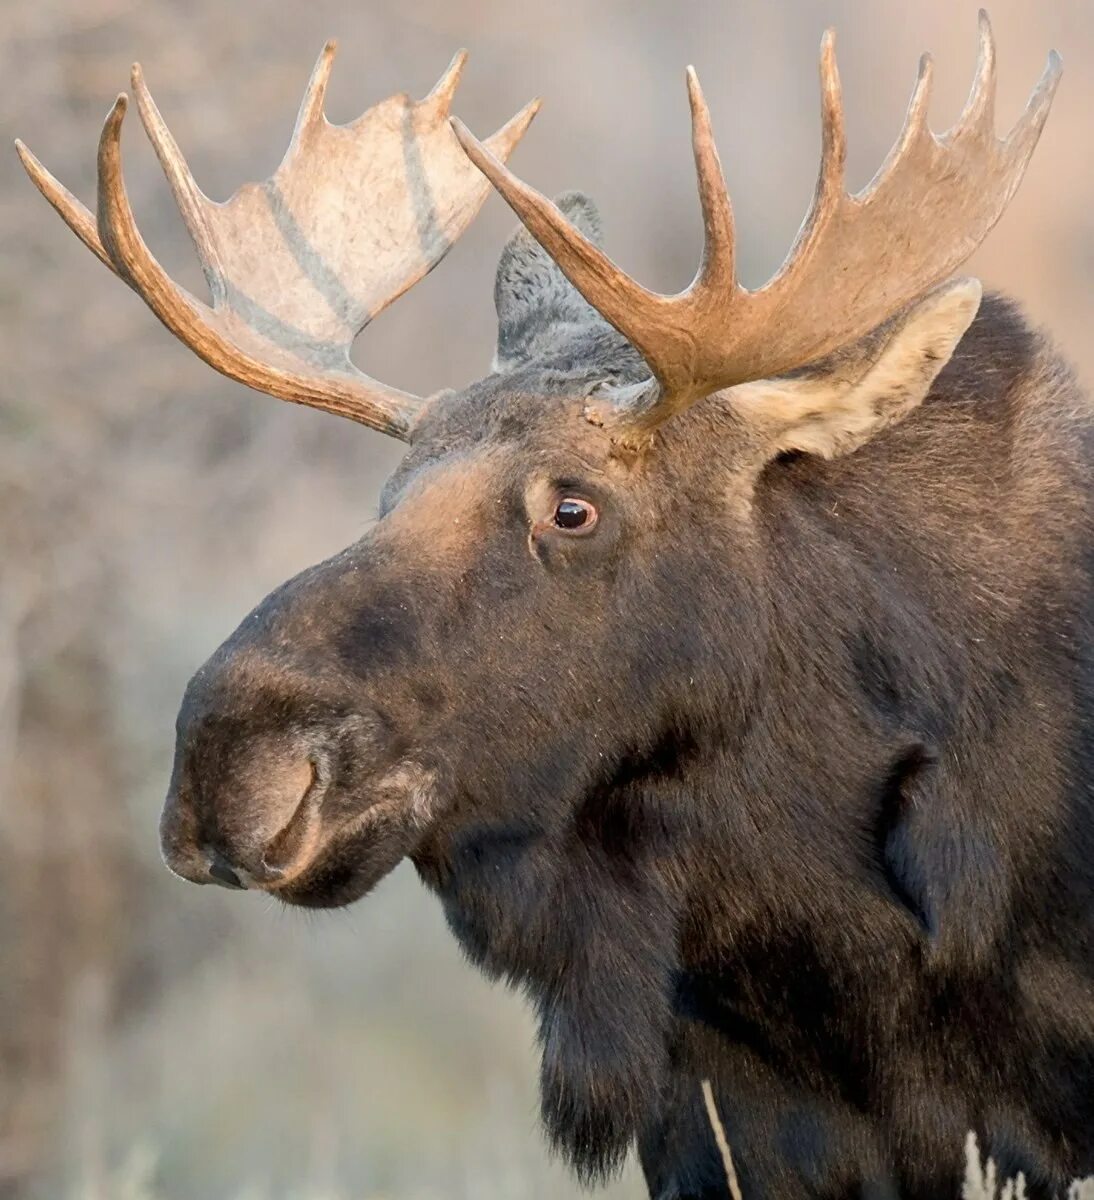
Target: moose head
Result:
[531, 606]
[535, 674]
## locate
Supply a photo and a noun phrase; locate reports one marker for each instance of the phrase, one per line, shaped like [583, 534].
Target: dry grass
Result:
[981, 1181]
[135, 1179]
[723, 1142]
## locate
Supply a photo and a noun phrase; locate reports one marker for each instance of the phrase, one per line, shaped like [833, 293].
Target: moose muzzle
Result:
[244, 813]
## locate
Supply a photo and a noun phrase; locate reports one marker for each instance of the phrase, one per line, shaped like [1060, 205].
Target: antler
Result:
[856, 261]
[298, 265]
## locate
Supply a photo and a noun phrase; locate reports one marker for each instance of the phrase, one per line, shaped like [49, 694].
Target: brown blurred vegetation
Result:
[146, 504]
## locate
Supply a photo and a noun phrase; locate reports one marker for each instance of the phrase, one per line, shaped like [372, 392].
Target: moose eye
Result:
[574, 515]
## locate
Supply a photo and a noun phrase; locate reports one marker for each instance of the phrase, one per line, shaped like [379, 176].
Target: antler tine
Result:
[122, 239]
[978, 116]
[1022, 139]
[311, 106]
[915, 121]
[71, 210]
[717, 269]
[829, 191]
[191, 200]
[440, 98]
[501, 144]
[833, 136]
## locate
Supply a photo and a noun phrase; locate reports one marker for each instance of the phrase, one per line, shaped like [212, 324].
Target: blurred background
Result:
[162, 1040]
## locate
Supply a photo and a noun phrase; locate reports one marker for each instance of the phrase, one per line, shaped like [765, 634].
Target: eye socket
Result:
[573, 515]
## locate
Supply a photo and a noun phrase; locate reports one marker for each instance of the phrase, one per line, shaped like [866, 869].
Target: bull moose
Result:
[721, 660]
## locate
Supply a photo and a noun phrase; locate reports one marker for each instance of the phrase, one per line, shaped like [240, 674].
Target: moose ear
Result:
[536, 304]
[840, 405]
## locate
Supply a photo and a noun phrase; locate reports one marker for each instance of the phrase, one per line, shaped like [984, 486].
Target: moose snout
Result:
[245, 813]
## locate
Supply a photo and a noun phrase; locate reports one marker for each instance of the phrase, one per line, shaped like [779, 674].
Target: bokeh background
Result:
[158, 1039]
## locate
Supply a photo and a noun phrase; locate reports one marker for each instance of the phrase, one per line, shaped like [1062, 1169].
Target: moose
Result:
[722, 661]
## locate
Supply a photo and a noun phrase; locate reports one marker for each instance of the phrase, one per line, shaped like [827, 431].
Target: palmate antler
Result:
[298, 265]
[856, 261]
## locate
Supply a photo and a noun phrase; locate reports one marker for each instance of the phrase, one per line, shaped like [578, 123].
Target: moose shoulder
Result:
[722, 661]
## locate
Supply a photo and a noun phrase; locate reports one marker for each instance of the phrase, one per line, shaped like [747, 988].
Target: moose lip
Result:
[294, 848]
[349, 863]
[330, 886]
[334, 868]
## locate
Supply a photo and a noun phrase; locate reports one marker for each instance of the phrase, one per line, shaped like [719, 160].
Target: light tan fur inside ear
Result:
[851, 398]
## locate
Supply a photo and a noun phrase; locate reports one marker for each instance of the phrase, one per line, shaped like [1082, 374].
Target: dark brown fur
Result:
[782, 777]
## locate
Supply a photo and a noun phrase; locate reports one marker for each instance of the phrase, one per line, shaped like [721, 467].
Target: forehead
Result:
[535, 418]
[517, 407]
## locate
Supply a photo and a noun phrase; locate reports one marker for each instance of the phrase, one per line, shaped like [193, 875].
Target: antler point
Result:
[695, 90]
[26, 157]
[441, 95]
[465, 136]
[532, 108]
[829, 70]
[921, 97]
[987, 37]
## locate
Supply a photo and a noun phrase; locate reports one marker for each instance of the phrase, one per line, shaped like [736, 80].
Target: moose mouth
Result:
[332, 849]
[334, 871]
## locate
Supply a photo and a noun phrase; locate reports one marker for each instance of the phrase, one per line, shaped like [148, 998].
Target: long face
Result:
[501, 635]
[534, 607]
[511, 625]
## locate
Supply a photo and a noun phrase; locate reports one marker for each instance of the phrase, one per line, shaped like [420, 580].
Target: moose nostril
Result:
[222, 873]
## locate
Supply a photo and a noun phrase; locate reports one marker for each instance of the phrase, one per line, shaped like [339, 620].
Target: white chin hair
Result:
[408, 789]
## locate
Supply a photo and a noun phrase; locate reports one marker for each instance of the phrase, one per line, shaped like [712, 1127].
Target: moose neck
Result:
[583, 915]
[613, 921]
[672, 895]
